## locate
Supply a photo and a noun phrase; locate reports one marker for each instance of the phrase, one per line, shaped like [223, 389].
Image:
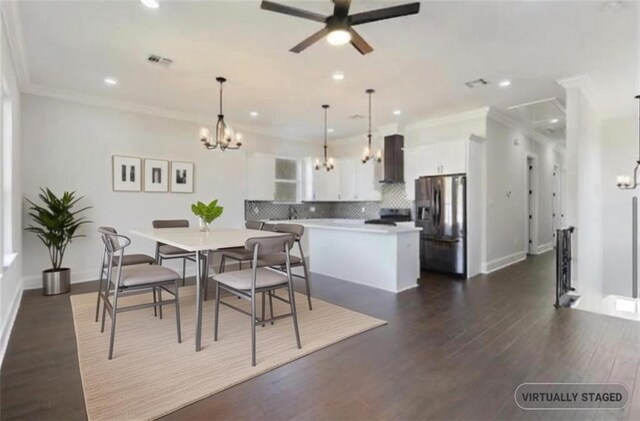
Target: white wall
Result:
[508, 147]
[10, 282]
[584, 187]
[620, 140]
[68, 146]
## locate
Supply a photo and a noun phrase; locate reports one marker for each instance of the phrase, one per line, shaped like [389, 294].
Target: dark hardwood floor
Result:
[452, 349]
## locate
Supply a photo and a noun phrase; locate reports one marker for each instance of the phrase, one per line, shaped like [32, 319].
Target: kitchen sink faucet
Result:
[293, 213]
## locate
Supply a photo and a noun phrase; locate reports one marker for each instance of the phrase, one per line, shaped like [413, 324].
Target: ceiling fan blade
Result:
[292, 11]
[359, 43]
[341, 7]
[385, 13]
[310, 40]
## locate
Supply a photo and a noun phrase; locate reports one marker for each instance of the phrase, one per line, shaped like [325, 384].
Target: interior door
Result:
[530, 225]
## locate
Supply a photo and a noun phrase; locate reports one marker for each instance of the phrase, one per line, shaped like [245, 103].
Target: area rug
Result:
[152, 375]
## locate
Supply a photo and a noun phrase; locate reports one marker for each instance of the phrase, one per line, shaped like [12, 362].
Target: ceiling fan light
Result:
[339, 37]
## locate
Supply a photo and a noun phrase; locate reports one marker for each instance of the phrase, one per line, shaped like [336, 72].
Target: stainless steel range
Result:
[390, 216]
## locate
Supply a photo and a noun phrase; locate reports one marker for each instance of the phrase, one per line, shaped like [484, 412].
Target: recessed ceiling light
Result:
[338, 37]
[254, 114]
[554, 120]
[110, 81]
[504, 83]
[329, 130]
[397, 112]
[151, 4]
[338, 75]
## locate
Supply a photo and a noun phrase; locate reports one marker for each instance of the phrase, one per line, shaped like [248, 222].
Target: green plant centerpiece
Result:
[56, 224]
[206, 213]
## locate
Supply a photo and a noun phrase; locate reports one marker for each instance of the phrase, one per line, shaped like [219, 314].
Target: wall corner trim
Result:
[7, 327]
[13, 29]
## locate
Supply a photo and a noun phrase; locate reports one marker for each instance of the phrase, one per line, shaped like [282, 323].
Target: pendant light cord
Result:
[221, 97]
[370, 92]
[325, 132]
[638, 98]
[369, 136]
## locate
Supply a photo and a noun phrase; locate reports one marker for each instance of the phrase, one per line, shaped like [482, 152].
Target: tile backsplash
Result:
[393, 196]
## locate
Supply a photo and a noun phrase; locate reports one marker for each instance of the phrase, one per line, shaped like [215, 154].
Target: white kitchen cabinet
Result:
[326, 185]
[433, 159]
[452, 157]
[261, 176]
[368, 180]
[348, 179]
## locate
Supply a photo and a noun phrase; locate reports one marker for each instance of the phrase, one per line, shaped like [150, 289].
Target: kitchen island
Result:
[379, 256]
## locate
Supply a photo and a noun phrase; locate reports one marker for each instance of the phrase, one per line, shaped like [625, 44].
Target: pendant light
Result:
[224, 134]
[624, 181]
[367, 154]
[328, 162]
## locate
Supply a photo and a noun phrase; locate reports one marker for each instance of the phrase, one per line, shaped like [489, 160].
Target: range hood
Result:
[393, 159]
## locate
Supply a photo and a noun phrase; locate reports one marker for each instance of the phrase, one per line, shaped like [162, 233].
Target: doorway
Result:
[531, 217]
[556, 202]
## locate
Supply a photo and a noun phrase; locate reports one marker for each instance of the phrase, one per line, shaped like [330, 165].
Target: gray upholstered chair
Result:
[277, 261]
[249, 283]
[127, 260]
[239, 254]
[267, 226]
[167, 252]
[134, 279]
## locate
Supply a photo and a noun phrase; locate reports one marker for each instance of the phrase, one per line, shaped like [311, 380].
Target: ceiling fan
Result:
[339, 27]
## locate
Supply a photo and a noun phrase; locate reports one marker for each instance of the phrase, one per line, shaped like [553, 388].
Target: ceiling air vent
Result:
[162, 61]
[475, 83]
[356, 117]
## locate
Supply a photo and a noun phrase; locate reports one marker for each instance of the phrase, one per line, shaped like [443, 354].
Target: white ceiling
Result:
[419, 65]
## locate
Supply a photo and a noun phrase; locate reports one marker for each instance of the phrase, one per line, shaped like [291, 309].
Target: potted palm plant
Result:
[206, 213]
[56, 224]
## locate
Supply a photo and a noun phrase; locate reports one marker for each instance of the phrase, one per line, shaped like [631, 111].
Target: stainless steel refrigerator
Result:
[441, 213]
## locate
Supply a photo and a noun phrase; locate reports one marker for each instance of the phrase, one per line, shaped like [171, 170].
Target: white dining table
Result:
[202, 244]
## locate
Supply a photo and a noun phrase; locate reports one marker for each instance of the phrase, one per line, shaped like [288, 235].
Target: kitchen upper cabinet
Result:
[452, 157]
[261, 176]
[348, 179]
[326, 184]
[368, 181]
[433, 159]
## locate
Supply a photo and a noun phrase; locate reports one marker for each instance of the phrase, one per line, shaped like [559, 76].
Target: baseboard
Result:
[10, 320]
[503, 262]
[544, 248]
[35, 281]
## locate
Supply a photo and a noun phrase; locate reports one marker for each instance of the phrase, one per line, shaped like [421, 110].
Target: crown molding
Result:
[13, 29]
[584, 84]
[521, 124]
[132, 107]
[480, 113]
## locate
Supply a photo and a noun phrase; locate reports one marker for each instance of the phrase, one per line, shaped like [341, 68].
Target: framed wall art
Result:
[156, 175]
[127, 173]
[181, 177]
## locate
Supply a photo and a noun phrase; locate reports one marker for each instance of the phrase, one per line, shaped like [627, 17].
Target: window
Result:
[286, 180]
[7, 173]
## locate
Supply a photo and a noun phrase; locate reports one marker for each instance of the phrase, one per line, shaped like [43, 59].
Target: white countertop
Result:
[191, 239]
[356, 225]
